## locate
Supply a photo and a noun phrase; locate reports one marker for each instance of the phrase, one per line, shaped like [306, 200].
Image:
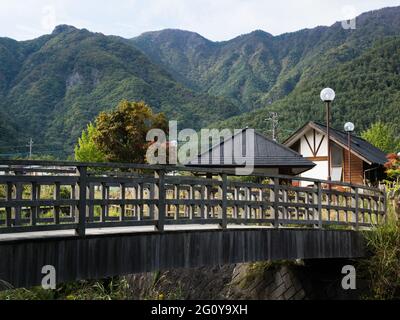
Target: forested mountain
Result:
[51, 87]
[257, 69]
[368, 90]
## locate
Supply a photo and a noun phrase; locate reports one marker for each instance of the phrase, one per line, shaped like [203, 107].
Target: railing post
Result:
[160, 175]
[385, 218]
[9, 197]
[356, 210]
[57, 197]
[82, 183]
[35, 195]
[18, 208]
[224, 189]
[276, 202]
[318, 185]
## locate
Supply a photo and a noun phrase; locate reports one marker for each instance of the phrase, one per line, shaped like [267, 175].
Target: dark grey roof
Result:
[267, 154]
[359, 146]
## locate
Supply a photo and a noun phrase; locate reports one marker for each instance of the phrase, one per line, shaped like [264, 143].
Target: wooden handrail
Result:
[165, 199]
[20, 164]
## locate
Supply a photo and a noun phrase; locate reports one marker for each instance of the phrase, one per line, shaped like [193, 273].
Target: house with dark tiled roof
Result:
[366, 163]
[267, 155]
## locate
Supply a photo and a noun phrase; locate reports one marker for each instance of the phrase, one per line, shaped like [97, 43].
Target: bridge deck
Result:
[111, 231]
[51, 196]
[93, 221]
[99, 256]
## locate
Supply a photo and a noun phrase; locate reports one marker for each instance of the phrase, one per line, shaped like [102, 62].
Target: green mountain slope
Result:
[53, 86]
[368, 90]
[258, 69]
[240, 69]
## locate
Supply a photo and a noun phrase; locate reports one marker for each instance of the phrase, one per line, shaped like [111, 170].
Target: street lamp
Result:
[349, 128]
[328, 95]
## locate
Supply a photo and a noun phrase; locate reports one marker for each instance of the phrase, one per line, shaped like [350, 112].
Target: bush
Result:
[382, 268]
[108, 289]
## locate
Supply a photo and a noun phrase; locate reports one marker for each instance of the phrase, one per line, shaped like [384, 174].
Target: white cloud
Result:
[214, 19]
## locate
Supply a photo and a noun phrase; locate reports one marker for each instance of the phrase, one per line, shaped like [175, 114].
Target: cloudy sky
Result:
[214, 19]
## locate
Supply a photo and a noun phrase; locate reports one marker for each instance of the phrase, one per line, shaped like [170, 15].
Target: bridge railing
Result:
[45, 196]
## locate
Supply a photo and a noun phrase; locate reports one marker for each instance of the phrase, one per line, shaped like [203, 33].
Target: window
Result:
[337, 162]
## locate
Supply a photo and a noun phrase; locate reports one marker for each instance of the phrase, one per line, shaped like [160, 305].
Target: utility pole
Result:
[274, 118]
[30, 145]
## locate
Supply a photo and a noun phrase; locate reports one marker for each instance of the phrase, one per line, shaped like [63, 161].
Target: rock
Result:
[298, 280]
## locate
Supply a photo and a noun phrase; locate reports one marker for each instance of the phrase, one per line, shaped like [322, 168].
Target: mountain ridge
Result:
[52, 86]
[56, 84]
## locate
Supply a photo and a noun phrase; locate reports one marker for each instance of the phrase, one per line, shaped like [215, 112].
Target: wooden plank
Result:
[191, 181]
[275, 200]
[123, 201]
[118, 180]
[166, 168]
[356, 210]
[34, 209]
[251, 221]
[26, 222]
[177, 202]
[65, 180]
[8, 199]
[82, 201]
[298, 222]
[57, 197]
[38, 228]
[160, 175]
[224, 192]
[37, 203]
[118, 224]
[203, 210]
[104, 255]
[210, 201]
[235, 184]
[209, 221]
[152, 206]
[319, 203]
[19, 188]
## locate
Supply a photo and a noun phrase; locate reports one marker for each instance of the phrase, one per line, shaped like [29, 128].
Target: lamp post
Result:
[328, 95]
[349, 128]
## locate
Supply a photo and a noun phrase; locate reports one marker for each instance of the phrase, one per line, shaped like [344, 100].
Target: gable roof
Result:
[267, 154]
[359, 147]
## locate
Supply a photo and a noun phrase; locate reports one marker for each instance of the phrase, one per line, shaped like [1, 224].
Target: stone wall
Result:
[255, 281]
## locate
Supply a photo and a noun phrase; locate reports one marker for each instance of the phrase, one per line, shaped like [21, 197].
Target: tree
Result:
[86, 150]
[121, 134]
[393, 172]
[382, 136]
[393, 166]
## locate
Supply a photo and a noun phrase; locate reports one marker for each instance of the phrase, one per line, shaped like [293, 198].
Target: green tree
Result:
[382, 136]
[121, 134]
[393, 166]
[86, 150]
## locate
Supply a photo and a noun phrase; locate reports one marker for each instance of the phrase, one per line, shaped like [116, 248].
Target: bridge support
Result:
[102, 256]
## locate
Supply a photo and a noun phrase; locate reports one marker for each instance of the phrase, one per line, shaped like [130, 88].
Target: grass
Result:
[108, 289]
[382, 267]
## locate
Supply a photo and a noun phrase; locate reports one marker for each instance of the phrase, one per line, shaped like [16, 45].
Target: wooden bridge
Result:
[93, 221]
